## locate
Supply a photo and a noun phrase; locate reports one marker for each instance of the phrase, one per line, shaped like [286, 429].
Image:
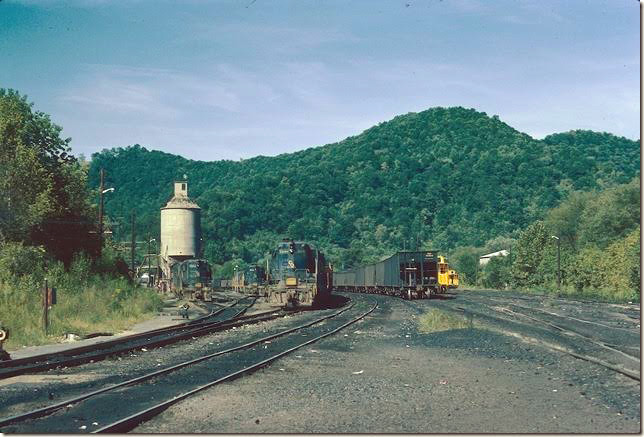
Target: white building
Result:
[484, 259]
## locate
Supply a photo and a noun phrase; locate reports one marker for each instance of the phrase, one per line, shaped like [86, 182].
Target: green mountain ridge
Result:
[439, 178]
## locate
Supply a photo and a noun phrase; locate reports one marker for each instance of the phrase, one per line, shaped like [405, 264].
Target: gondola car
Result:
[407, 274]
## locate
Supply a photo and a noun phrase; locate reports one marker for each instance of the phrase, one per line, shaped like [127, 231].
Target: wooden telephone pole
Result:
[133, 245]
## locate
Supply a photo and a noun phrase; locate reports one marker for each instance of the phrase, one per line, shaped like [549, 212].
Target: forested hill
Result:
[440, 178]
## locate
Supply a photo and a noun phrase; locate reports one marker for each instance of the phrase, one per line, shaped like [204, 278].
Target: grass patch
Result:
[437, 321]
[95, 304]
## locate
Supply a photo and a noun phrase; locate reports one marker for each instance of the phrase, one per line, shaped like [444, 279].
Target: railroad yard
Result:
[465, 361]
[299, 217]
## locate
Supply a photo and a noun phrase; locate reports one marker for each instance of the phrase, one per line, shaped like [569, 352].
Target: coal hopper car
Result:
[408, 274]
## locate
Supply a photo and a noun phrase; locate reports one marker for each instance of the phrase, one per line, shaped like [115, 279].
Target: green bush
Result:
[528, 255]
[615, 269]
[17, 260]
[465, 260]
[496, 273]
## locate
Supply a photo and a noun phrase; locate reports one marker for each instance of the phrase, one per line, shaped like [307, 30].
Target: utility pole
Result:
[133, 245]
[558, 262]
[148, 260]
[100, 213]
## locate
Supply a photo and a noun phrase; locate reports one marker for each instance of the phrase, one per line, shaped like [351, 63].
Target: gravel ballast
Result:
[383, 375]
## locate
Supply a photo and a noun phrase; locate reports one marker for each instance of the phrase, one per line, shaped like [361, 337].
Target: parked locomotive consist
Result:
[192, 277]
[406, 274]
[299, 274]
[447, 278]
[253, 279]
[222, 283]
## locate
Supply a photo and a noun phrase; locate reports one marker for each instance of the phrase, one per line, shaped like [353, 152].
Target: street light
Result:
[558, 261]
[101, 191]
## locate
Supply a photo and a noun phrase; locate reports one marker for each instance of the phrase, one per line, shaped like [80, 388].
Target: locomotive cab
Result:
[447, 278]
[297, 273]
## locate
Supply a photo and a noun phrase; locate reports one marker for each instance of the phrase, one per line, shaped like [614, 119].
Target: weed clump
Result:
[437, 321]
[87, 301]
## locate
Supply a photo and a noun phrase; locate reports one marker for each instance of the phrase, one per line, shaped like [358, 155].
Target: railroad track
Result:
[103, 410]
[556, 338]
[224, 318]
[624, 340]
[546, 334]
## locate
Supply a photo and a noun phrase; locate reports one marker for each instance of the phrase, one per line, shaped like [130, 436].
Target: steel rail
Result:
[128, 423]
[102, 351]
[533, 340]
[109, 343]
[532, 298]
[561, 316]
[570, 333]
[539, 310]
[68, 402]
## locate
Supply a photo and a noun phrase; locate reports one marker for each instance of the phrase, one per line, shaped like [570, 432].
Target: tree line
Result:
[48, 230]
[440, 179]
[597, 234]
[449, 179]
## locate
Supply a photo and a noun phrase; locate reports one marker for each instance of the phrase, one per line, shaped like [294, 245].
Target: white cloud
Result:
[164, 93]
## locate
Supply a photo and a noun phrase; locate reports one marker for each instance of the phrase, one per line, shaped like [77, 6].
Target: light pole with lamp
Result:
[558, 261]
[101, 192]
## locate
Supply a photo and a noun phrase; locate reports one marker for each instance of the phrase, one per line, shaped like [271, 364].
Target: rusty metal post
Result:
[45, 311]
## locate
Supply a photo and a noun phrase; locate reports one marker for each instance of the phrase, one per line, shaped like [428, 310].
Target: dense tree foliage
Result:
[48, 230]
[44, 198]
[441, 178]
[600, 247]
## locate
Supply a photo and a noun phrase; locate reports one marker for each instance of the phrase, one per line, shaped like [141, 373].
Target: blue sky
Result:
[233, 79]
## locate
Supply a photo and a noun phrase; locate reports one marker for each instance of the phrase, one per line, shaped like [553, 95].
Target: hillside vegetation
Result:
[48, 231]
[444, 178]
[599, 234]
